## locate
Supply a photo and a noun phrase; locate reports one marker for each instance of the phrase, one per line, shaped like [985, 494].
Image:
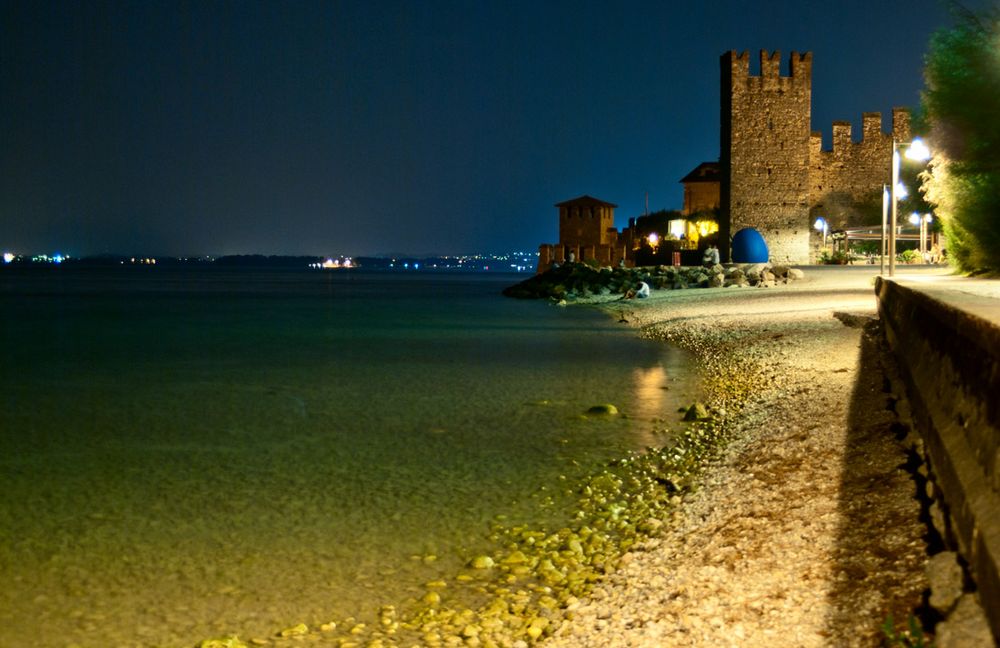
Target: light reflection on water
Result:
[185, 454]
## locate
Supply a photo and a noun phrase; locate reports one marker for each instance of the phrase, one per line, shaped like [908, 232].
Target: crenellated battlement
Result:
[770, 64]
[871, 132]
[800, 67]
[739, 63]
[841, 135]
[871, 126]
[901, 124]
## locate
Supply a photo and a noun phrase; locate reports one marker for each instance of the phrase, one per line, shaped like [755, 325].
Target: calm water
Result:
[187, 453]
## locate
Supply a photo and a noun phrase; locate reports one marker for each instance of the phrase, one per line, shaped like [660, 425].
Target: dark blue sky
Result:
[426, 126]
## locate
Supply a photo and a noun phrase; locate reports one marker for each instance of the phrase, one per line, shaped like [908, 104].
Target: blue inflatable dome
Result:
[749, 247]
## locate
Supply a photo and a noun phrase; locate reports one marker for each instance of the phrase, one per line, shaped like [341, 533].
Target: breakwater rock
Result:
[581, 281]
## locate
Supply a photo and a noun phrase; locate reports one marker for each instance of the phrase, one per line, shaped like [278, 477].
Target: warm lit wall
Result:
[586, 224]
[700, 196]
[765, 152]
[852, 172]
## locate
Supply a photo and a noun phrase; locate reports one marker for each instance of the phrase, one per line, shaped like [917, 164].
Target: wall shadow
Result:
[882, 540]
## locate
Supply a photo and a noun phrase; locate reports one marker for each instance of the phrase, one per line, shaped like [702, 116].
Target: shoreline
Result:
[805, 531]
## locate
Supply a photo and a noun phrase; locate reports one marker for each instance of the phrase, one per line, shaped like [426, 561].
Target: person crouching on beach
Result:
[642, 292]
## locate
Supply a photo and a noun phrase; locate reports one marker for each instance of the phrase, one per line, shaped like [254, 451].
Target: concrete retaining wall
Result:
[947, 345]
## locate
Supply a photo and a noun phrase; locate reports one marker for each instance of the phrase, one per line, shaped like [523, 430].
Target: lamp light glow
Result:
[917, 150]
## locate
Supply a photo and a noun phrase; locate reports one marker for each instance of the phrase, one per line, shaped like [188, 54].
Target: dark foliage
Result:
[961, 104]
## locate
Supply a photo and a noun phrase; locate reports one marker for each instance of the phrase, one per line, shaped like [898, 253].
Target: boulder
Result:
[717, 280]
[946, 579]
[794, 274]
[605, 409]
[966, 626]
[697, 412]
[735, 277]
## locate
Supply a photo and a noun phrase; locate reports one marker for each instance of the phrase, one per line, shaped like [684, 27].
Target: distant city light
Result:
[330, 263]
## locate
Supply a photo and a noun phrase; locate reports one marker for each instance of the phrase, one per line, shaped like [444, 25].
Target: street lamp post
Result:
[922, 221]
[885, 218]
[915, 150]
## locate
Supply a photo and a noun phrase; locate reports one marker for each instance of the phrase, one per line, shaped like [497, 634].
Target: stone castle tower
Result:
[764, 152]
[774, 175]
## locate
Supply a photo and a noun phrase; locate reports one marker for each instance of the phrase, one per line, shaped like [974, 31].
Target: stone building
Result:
[701, 189]
[586, 231]
[774, 175]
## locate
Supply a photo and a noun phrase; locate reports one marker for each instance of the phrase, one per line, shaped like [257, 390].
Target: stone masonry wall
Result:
[765, 153]
[852, 172]
[948, 349]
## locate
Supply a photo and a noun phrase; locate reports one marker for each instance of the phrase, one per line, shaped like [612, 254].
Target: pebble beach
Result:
[805, 531]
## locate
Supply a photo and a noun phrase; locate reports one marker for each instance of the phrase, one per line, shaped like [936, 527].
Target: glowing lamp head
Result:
[654, 239]
[820, 224]
[8, 257]
[901, 191]
[915, 218]
[917, 150]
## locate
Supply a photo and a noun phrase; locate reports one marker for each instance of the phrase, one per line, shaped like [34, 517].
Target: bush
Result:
[961, 102]
[835, 258]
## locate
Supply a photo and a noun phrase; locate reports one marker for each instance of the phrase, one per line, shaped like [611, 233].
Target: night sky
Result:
[374, 127]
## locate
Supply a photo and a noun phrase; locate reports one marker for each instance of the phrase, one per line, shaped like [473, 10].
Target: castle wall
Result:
[765, 152]
[605, 255]
[853, 172]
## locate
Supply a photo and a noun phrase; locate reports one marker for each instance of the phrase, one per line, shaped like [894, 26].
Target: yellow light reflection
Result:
[649, 394]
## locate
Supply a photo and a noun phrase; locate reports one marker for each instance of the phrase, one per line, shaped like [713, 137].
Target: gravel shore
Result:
[806, 532]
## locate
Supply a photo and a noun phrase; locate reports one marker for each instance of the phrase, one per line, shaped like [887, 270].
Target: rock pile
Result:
[581, 281]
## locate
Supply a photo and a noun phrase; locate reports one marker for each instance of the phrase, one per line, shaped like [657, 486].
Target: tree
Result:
[960, 102]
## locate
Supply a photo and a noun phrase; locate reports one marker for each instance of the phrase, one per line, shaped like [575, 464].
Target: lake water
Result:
[186, 453]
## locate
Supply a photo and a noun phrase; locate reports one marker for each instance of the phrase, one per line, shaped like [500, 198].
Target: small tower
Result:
[586, 221]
